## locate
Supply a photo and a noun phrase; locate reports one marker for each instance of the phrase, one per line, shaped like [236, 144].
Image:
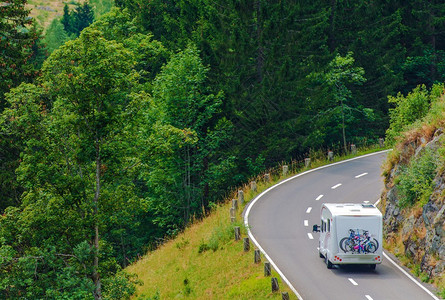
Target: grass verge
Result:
[205, 262]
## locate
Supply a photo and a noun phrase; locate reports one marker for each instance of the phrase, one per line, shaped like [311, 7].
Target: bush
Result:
[407, 110]
[414, 182]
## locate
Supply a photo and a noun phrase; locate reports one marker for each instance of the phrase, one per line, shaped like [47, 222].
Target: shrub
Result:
[407, 110]
[414, 182]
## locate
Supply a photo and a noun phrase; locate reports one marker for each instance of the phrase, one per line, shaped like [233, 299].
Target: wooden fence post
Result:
[330, 155]
[267, 270]
[285, 170]
[267, 177]
[235, 204]
[246, 244]
[253, 186]
[241, 197]
[232, 215]
[257, 256]
[307, 162]
[381, 142]
[275, 286]
[237, 233]
[353, 149]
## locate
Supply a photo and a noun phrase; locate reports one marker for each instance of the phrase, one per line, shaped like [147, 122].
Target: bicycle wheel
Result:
[376, 243]
[342, 244]
[370, 247]
[349, 246]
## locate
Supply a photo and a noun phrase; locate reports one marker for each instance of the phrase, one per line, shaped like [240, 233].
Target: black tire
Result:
[349, 246]
[329, 265]
[321, 255]
[371, 247]
[372, 266]
[342, 244]
[376, 243]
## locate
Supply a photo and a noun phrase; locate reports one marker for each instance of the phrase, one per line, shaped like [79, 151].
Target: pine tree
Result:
[16, 42]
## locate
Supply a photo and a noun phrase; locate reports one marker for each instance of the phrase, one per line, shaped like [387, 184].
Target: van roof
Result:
[350, 209]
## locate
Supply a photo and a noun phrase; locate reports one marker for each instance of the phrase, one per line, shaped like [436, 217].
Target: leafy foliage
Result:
[145, 119]
[16, 46]
[55, 36]
[407, 110]
[414, 182]
[78, 19]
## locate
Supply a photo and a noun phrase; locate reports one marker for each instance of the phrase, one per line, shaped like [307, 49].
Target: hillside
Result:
[413, 202]
[44, 11]
[205, 262]
[146, 118]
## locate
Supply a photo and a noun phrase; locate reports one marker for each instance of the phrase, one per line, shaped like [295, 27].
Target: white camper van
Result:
[350, 234]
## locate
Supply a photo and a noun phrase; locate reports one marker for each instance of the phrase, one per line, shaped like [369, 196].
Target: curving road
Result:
[280, 222]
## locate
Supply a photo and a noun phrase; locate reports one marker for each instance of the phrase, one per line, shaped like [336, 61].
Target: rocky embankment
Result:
[416, 232]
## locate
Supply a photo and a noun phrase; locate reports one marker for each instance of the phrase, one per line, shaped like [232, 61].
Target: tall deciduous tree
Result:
[76, 161]
[340, 74]
[184, 102]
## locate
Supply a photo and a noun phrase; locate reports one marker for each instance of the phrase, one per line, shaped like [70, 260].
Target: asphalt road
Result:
[280, 222]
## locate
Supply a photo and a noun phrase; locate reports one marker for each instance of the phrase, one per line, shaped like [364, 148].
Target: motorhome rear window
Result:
[368, 205]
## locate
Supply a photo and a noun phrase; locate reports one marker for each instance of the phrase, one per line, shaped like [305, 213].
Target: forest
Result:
[116, 131]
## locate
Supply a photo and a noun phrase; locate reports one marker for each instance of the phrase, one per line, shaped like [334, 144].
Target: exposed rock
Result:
[422, 229]
[429, 212]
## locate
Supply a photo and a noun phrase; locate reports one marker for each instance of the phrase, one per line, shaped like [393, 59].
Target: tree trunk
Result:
[260, 54]
[331, 37]
[205, 195]
[343, 127]
[96, 277]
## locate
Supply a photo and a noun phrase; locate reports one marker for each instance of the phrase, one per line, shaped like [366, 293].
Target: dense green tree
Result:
[55, 35]
[182, 101]
[101, 7]
[74, 168]
[78, 19]
[410, 108]
[339, 76]
[66, 19]
[16, 40]
[21, 55]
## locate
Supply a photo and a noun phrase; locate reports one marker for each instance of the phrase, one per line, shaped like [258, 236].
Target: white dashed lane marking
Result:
[319, 197]
[308, 210]
[352, 281]
[368, 297]
[361, 175]
[306, 223]
[310, 236]
[336, 186]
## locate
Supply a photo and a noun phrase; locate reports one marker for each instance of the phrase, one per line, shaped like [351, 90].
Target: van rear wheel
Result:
[328, 263]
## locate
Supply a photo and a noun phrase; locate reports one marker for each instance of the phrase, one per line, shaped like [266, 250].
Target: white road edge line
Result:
[319, 197]
[311, 237]
[336, 186]
[251, 203]
[352, 281]
[308, 210]
[306, 223]
[361, 175]
[406, 273]
[368, 297]
[410, 277]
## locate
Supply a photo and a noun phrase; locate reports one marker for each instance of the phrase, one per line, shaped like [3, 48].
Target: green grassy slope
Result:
[205, 262]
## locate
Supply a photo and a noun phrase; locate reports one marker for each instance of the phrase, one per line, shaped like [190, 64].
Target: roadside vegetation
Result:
[205, 262]
[119, 129]
[414, 173]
